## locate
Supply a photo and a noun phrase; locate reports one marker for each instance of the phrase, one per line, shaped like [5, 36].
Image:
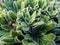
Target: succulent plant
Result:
[36, 22]
[7, 21]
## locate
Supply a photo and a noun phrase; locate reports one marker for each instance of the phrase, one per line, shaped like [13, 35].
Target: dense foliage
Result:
[30, 22]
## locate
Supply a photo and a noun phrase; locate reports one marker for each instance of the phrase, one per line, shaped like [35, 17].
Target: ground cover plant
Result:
[29, 22]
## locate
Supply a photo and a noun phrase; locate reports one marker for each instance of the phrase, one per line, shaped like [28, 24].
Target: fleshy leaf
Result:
[33, 16]
[50, 43]
[49, 37]
[25, 42]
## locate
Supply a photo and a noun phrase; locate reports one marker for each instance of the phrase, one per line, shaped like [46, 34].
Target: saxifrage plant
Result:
[36, 23]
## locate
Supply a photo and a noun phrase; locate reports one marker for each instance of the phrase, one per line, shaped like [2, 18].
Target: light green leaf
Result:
[33, 16]
[38, 23]
[49, 25]
[25, 42]
[22, 5]
[49, 37]
[50, 43]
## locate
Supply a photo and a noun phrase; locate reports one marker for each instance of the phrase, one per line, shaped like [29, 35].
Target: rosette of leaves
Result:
[7, 21]
[36, 22]
[31, 32]
[14, 5]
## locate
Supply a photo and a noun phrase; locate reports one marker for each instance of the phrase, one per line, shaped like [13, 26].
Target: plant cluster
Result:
[30, 22]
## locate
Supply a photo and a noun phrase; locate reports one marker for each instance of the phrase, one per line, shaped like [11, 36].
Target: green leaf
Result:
[14, 33]
[33, 16]
[8, 4]
[19, 3]
[3, 33]
[49, 37]
[59, 18]
[25, 42]
[27, 14]
[50, 25]
[8, 39]
[38, 23]
[41, 3]
[15, 6]
[22, 5]
[1, 42]
[20, 15]
[35, 1]
[12, 15]
[2, 21]
[27, 36]
[6, 27]
[26, 2]
[39, 12]
[8, 17]
[46, 18]
[40, 41]
[24, 26]
[50, 43]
